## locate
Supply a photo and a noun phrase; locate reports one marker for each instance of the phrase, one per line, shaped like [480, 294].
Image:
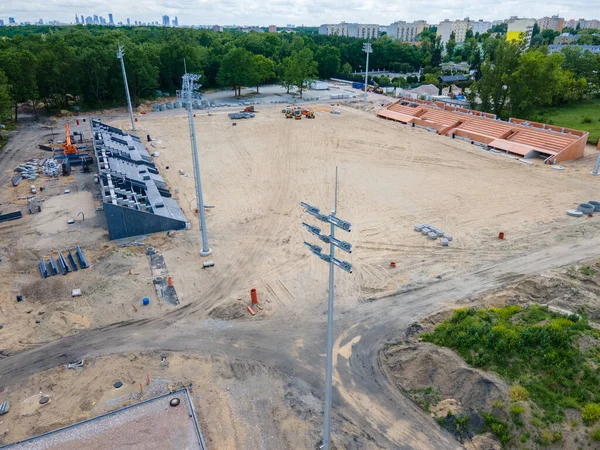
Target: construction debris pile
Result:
[433, 233]
[51, 168]
[63, 264]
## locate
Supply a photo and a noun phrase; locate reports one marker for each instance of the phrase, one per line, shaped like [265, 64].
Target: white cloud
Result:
[307, 12]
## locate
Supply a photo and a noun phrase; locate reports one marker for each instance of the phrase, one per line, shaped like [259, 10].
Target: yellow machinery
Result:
[68, 147]
[288, 113]
[297, 114]
[309, 113]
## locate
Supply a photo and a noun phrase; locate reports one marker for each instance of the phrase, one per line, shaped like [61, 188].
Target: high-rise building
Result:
[128, 22]
[175, 22]
[458, 27]
[11, 21]
[480, 26]
[96, 20]
[583, 24]
[406, 31]
[166, 21]
[110, 19]
[520, 30]
[1, 23]
[82, 20]
[89, 20]
[357, 30]
[217, 28]
[76, 19]
[272, 28]
[553, 23]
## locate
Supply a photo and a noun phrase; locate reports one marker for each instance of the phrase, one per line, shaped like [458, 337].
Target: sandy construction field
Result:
[391, 178]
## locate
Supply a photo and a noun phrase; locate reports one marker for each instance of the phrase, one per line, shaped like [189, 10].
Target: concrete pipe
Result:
[585, 208]
[595, 204]
[574, 213]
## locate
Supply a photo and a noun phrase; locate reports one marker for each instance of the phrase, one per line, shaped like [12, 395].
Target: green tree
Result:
[451, 45]
[5, 99]
[19, 67]
[263, 70]
[329, 59]
[303, 68]
[493, 86]
[346, 69]
[236, 70]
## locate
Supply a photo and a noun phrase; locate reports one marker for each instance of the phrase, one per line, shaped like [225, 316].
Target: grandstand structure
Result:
[519, 137]
[135, 197]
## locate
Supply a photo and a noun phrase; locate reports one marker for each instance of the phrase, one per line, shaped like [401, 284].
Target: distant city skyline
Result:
[253, 12]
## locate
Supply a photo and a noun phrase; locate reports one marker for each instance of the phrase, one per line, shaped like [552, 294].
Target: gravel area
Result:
[151, 425]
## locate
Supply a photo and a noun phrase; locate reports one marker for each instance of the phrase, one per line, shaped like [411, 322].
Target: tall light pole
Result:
[367, 48]
[316, 250]
[188, 92]
[120, 56]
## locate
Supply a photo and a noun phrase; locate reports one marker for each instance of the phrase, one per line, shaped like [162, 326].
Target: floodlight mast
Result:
[187, 93]
[330, 258]
[367, 48]
[120, 55]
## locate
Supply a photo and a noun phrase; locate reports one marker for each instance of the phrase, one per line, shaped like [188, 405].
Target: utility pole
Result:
[316, 250]
[120, 56]
[188, 92]
[367, 48]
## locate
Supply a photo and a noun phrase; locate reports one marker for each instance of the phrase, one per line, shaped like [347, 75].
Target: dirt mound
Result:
[228, 312]
[44, 291]
[417, 367]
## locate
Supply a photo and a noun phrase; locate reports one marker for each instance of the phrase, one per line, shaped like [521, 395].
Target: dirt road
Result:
[391, 421]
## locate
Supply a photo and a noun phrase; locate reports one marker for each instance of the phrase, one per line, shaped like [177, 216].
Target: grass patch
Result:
[588, 271]
[532, 348]
[596, 434]
[10, 125]
[583, 115]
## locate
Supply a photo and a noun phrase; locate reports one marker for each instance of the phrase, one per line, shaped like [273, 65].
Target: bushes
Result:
[497, 427]
[532, 348]
[590, 413]
[586, 119]
[518, 393]
[596, 434]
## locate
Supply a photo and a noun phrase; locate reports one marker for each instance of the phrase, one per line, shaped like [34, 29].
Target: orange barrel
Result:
[253, 295]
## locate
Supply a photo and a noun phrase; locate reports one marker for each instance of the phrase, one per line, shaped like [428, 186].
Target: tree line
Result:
[61, 66]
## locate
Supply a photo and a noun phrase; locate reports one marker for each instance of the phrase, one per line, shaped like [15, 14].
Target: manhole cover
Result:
[44, 400]
[118, 384]
[174, 402]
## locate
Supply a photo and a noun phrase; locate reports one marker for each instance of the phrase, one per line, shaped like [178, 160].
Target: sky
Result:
[297, 12]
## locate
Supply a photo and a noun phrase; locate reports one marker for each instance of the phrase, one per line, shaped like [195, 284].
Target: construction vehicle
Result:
[297, 114]
[249, 109]
[68, 147]
[288, 113]
[309, 113]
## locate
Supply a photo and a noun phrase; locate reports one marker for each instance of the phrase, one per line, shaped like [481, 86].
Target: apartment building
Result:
[553, 23]
[406, 31]
[458, 27]
[520, 30]
[356, 30]
[480, 26]
[583, 24]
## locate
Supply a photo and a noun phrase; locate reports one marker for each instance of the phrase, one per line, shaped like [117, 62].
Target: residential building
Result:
[175, 22]
[480, 26]
[217, 28]
[566, 38]
[583, 24]
[357, 30]
[520, 30]
[458, 27]
[272, 28]
[166, 21]
[553, 23]
[595, 49]
[406, 31]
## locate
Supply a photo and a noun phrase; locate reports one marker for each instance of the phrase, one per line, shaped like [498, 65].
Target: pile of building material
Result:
[241, 115]
[28, 170]
[51, 168]
[64, 264]
[433, 233]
